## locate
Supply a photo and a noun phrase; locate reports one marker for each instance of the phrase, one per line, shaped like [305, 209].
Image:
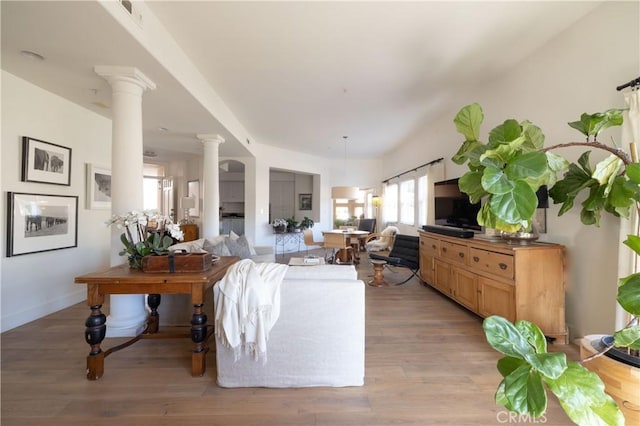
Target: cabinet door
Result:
[225, 226]
[427, 272]
[237, 226]
[496, 298]
[236, 191]
[442, 279]
[466, 288]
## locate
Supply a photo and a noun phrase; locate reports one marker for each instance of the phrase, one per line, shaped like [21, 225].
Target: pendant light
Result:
[345, 192]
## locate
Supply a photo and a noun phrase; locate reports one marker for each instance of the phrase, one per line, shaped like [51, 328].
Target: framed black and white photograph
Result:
[45, 162]
[39, 222]
[193, 191]
[98, 187]
[304, 200]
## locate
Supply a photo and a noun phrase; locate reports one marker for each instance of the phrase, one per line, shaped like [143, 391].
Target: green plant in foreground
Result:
[527, 368]
[505, 172]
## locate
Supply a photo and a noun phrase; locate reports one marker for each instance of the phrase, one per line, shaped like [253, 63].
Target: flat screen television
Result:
[453, 208]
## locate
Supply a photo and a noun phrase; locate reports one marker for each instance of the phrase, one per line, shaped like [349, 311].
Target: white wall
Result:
[574, 73]
[34, 285]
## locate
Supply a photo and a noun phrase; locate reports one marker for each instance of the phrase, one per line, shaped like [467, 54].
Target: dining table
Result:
[348, 246]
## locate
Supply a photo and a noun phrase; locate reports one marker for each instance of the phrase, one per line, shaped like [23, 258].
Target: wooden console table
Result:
[123, 280]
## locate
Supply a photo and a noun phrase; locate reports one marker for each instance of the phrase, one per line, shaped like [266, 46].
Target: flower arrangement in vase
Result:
[145, 233]
[279, 225]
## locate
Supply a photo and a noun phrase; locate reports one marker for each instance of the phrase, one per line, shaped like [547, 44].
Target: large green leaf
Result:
[471, 184]
[508, 364]
[581, 394]
[468, 121]
[524, 390]
[506, 132]
[494, 181]
[628, 337]
[583, 125]
[633, 172]
[633, 242]
[529, 165]
[583, 161]
[621, 196]
[515, 206]
[550, 365]
[505, 337]
[607, 170]
[593, 124]
[534, 138]
[556, 162]
[466, 151]
[533, 335]
[629, 293]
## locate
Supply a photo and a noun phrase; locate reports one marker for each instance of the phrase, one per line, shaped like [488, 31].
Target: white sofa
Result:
[318, 339]
[262, 253]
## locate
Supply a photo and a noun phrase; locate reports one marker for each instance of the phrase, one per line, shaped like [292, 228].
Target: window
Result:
[152, 187]
[422, 200]
[391, 203]
[346, 210]
[407, 202]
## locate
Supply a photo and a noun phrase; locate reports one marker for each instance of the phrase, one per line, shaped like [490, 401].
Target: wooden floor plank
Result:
[427, 363]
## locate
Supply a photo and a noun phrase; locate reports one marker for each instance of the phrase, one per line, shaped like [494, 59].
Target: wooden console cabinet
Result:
[518, 282]
[190, 231]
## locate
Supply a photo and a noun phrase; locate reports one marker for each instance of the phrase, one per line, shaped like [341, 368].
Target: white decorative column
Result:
[211, 185]
[127, 312]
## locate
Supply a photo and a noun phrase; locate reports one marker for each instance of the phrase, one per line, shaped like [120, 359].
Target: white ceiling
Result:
[297, 75]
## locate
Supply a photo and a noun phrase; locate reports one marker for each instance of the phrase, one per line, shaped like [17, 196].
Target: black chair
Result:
[368, 225]
[405, 253]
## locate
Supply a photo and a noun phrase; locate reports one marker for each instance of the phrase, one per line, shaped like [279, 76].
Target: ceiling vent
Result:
[132, 10]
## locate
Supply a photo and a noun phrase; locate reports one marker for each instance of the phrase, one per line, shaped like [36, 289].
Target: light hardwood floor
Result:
[427, 363]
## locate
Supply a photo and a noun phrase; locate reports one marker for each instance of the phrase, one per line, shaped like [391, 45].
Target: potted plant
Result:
[145, 233]
[505, 172]
[306, 223]
[279, 225]
[292, 224]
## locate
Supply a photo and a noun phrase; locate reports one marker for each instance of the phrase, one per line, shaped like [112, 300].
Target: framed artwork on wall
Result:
[98, 187]
[193, 191]
[39, 222]
[304, 201]
[45, 162]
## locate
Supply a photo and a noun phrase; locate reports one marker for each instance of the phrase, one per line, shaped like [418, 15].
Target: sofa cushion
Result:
[219, 249]
[239, 247]
[190, 246]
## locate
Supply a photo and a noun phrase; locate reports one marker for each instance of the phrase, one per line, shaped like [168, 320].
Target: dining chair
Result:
[307, 235]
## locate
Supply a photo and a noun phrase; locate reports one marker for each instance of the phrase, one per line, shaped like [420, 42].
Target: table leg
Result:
[199, 337]
[94, 334]
[153, 323]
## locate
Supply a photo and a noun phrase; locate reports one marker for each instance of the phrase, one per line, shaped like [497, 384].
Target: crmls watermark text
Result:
[507, 417]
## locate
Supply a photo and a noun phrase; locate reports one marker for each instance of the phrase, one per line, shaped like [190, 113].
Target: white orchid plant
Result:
[277, 223]
[145, 233]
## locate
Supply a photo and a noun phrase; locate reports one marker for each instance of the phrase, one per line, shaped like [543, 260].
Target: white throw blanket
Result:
[247, 306]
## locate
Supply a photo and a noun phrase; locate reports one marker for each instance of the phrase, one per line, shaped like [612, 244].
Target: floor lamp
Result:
[376, 201]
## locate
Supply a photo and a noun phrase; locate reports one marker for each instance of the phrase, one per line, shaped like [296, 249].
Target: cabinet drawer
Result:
[454, 252]
[429, 246]
[495, 263]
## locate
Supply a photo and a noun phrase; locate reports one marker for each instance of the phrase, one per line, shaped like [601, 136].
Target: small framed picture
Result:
[98, 187]
[45, 162]
[39, 222]
[304, 201]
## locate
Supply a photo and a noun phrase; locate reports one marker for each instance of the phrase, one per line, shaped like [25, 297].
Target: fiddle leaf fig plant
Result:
[505, 172]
